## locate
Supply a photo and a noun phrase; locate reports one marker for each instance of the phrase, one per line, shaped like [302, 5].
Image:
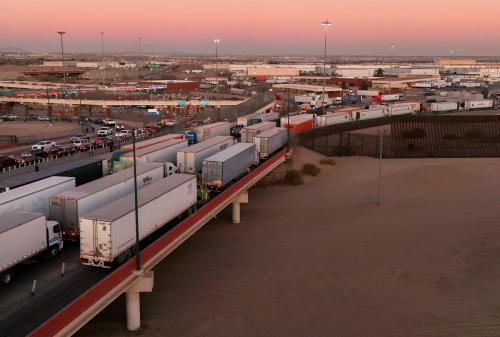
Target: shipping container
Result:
[373, 112]
[152, 141]
[298, 123]
[24, 235]
[165, 152]
[391, 98]
[368, 93]
[226, 166]
[264, 117]
[190, 159]
[444, 106]
[251, 131]
[270, 141]
[399, 109]
[34, 197]
[332, 118]
[205, 132]
[109, 233]
[66, 207]
[480, 104]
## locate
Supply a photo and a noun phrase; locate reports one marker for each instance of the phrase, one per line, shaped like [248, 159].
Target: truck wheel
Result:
[54, 251]
[5, 278]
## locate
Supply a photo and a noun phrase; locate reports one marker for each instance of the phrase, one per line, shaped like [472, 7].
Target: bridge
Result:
[125, 279]
[110, 103]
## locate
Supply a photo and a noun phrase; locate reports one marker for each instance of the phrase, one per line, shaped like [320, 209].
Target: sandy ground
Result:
[322, 259]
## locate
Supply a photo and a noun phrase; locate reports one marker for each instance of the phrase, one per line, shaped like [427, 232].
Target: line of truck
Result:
[85, 212]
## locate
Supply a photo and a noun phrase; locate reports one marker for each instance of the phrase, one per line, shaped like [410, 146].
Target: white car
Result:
[109, 122]
[44, 145]
[105, 131]
[43, 118]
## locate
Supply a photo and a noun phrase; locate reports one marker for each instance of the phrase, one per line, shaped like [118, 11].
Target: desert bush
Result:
[293, 178]
[328, 161]
[311, 170]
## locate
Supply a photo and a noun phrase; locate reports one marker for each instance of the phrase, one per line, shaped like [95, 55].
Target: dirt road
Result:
[322, 259]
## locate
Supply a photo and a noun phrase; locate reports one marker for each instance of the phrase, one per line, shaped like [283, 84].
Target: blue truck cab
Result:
[190, 137]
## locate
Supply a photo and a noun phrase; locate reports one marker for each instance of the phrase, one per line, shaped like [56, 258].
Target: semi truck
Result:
[332, 118]
[226, 166]
[399, 109]
[152, 141]
[205, 132]
[265, 117]
[391, 97]
[67, 206]
[368, 93]
[165, 152]
[251, 131]
[444, 106]
[34, 197]
[190, 159]
[480, 104]
[270, 141]
[298, 123]
[372, 112]
[23, 235]
[108, 234]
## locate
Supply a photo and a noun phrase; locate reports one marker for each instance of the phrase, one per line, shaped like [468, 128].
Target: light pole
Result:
[62, 53]
[136, 205]
[325, 24]
[102, 58]
[216, 42]
[80, 106]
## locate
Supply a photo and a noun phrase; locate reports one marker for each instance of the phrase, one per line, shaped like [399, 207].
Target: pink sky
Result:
[417, 27]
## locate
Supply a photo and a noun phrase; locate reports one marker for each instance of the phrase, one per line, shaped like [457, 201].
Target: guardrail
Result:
[76, 314]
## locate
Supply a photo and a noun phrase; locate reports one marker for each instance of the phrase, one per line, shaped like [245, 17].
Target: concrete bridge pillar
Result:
[108, 111]
[133, 300]
[241, 199]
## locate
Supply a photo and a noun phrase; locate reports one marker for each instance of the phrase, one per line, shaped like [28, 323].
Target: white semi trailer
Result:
[108, 233]
[23, 235]
[190, 159]
[66, 207]
[205, 132]
[34, 197]
[251, 131]
[270, 141]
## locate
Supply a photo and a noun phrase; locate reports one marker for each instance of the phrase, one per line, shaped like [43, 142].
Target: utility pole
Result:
[62, 53]
[216, 42]
[139, 61]
[102, 58]
[325, 24]
[136, 206]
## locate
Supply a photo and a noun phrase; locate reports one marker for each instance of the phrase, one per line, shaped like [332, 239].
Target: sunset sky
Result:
[361, 27]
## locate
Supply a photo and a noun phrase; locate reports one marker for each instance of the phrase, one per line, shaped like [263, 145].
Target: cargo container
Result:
[444, 106]
[422, 85]
[226, 166]
[108, 233]
[152, 141]
[270, 141]
[399, 109]
[350, 99]
[190, 159]
[482, 104]
[373, 112]
[251, 131]
[34, 197]
[390, 98]
[243, 120]
[24, 235]
[66, 207]
[470, 84]
[298, 123]
[332, 118]
[368, 93]
[165, 152]
[205, 132]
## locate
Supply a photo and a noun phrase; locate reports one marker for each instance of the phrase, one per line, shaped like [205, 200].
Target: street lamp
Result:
[62, 53]
[325, 24]
[216, 42]
[102, 58]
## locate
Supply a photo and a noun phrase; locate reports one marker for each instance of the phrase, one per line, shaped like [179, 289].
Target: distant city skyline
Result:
[360, 27]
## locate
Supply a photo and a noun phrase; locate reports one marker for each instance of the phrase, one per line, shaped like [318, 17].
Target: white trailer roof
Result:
[153, 148]
[107, 181]
[259, 126]
[13, 219]
[209, 126]
[229, 152]
[32, 188]
[269, 133]
[205, 144]
[126, 204]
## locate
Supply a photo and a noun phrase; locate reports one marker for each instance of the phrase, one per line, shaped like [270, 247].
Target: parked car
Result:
[140, 134]
[26, 159]
[150, 130]
[103, 142]
[80, 136]
[9, 118]
[43, 118]
[124, 134]
[109, 122]
[39, 153]
[167, 122]
[6, 161]
[105, 131]
[81, 144]
[44, 145]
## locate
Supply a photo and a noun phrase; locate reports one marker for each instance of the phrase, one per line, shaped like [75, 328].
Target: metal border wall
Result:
[76, 314]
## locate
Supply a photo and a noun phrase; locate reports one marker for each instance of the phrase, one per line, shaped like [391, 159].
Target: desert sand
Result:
[321, 259]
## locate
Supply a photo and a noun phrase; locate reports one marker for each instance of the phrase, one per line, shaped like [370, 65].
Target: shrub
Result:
[328, 161]
[293, 177]
[311, 170]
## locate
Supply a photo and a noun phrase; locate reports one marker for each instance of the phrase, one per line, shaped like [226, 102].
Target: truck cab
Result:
[191, 137]
[54, 237]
